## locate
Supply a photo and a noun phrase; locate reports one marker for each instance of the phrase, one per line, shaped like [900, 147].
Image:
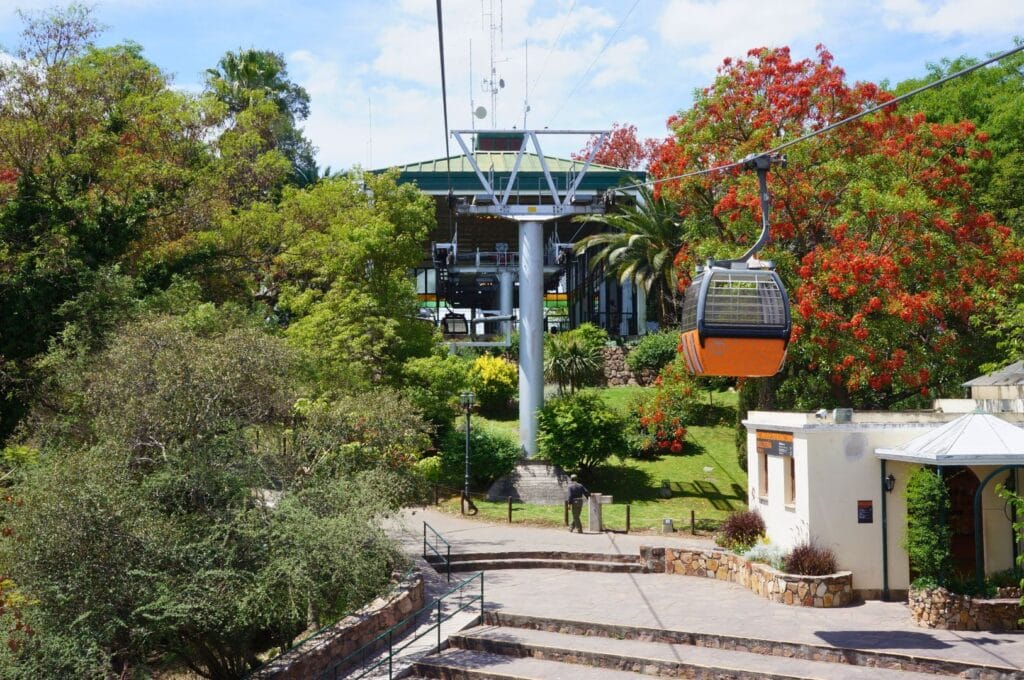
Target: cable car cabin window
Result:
[689, 320]
[744, 299]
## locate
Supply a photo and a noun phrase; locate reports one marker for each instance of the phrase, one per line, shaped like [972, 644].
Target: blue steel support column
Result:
[531, 332]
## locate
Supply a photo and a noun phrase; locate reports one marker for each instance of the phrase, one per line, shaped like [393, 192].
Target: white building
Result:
[825, 478]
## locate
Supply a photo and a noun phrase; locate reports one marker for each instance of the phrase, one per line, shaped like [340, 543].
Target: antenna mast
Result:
[492, 84]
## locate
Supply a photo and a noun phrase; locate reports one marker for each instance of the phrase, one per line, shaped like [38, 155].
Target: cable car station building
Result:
[469, 267]
[839, 479]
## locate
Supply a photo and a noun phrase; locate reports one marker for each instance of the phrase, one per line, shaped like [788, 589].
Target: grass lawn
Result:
[704, 478]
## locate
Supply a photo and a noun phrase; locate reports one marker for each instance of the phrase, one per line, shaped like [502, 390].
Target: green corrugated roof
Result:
[432, 175]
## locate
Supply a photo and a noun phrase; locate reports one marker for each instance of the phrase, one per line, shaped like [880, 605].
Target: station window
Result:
[790, 481]
[762, 474]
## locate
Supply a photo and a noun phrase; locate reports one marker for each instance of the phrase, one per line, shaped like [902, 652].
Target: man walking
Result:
[577, 492]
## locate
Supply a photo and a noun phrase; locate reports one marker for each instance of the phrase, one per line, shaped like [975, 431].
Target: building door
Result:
[962, 484]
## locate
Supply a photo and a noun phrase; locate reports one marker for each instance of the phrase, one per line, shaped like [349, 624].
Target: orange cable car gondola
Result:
[736, 320]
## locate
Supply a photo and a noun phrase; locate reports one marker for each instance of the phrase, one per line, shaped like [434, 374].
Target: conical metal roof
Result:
[971, 439]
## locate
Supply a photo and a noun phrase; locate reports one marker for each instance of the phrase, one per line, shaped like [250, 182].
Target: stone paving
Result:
[688, 603]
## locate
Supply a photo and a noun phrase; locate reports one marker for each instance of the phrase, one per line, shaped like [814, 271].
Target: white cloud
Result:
[953, 17]
[706, 31]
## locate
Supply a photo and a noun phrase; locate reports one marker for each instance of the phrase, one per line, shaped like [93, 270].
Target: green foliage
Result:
[171, 514]
[570, 361]
[590, 336]
[653, 352]
[768, 553]
[741, 531]
[927, 538]
[433, 384]
[249, 78]
[491, 455]
[430, 469]
[336, 260]
[495, 381]
[578, 431]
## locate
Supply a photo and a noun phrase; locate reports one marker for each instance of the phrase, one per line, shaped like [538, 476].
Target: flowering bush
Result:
[495, 381]
[660, 416]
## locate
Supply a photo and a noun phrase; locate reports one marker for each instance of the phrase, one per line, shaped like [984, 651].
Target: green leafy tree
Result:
[433, 384]
[98, 156]
[491, 455]
[579, 432]
[494, 380]
[245, 79]
[927, 538]
[172, 514]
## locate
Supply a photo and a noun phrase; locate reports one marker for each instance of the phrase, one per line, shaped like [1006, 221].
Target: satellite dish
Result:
[480, 112]
[501, 82]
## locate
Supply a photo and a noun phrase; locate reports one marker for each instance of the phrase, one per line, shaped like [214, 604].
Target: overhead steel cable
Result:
[444, 106]
[587, 72]
[551, 49]
[832, 126]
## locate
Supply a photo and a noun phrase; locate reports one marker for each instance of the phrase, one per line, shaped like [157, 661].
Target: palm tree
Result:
[247, 77]
[570, 360]
[242, 78]
[641, 247]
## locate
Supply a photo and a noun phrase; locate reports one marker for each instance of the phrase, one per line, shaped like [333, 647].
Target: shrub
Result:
[810, 559]
[433, 384]
[578, 431]
[653, 352]
[661, 415]
[491, 455]
[590, 335]
[495, 381]
[927, 538]
[430, 469]
[569, 360]
[741, 531]
[767, 553]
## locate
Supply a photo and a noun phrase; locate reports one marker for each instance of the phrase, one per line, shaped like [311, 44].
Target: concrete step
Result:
[841, 660]
[545, 555]
[464, 664]
[584, 565]
[634, 656]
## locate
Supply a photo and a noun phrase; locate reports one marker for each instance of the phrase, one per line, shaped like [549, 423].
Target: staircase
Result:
[533, 482]
[539, 559]
[524, 648]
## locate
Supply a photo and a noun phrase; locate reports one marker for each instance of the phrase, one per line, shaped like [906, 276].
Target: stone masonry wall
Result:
[617, 373]
[940, 608]
[319, 653]
[833, 590]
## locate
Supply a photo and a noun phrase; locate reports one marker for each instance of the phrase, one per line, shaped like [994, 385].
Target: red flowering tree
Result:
[622, 149]
[873, 228]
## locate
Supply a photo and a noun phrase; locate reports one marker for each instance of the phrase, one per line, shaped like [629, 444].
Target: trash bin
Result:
[666, 526]
[594, 520]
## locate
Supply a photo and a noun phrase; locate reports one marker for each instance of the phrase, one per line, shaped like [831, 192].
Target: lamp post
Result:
[467, 400]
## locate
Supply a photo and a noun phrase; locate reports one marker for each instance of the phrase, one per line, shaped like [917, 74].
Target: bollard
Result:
[566, 513]
[693, 524]
[627, 518]
[510, 509]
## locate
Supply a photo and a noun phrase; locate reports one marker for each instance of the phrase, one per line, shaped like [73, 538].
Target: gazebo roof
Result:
[1007, 376]
[972, 439]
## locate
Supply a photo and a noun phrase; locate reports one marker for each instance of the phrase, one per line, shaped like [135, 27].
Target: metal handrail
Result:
[389, 634]
[435, 548]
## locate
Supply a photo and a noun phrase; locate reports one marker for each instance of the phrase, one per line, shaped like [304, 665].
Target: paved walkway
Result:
[687, 603]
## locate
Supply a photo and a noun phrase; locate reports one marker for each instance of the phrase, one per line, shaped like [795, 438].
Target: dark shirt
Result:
[577, 491]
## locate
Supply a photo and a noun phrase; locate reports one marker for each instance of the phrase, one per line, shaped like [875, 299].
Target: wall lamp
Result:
[889, 482]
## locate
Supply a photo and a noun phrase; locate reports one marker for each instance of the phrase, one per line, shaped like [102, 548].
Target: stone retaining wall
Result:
[833, 590]
[940, 608]
[318, 654]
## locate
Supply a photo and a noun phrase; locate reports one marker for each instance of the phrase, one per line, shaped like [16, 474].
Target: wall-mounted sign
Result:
[774, 443]
[865, 512]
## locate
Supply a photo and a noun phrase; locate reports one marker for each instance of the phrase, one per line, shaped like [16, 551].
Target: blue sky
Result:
[371, 67]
